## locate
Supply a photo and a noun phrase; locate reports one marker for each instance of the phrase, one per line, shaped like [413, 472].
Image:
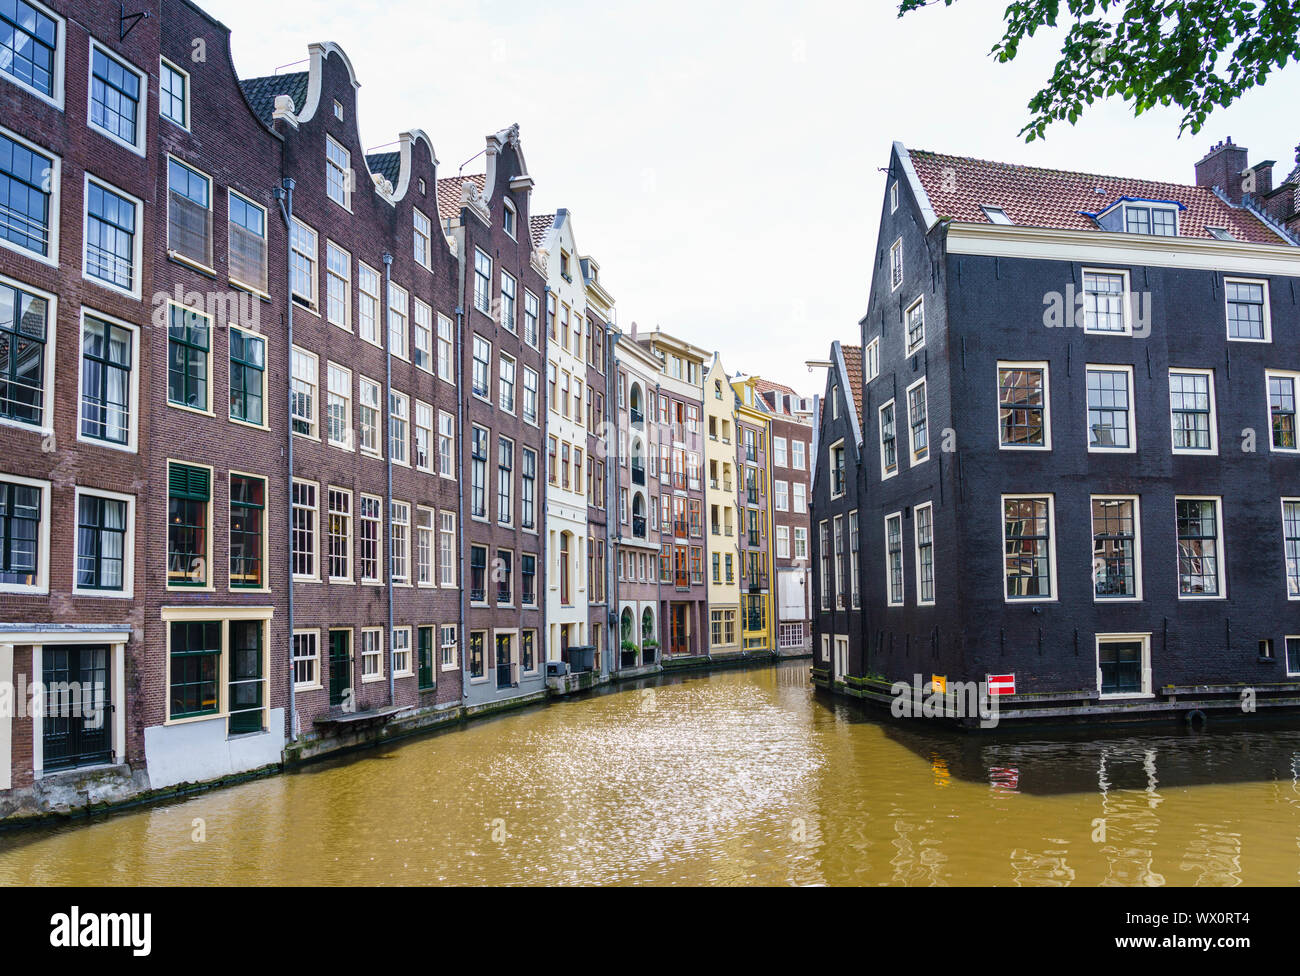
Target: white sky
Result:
[722, 160]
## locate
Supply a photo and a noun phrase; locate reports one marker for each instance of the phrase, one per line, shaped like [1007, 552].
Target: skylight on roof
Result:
[996, 215]
[1221, 233]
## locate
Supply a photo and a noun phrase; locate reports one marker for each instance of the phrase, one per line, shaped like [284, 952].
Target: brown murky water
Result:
[736, 778]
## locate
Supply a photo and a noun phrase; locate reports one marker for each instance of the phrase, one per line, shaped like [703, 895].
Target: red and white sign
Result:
[1002, 684]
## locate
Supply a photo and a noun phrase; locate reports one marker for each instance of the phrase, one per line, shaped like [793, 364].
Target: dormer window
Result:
[996, 215]
[1220, 233]
[1155, 221]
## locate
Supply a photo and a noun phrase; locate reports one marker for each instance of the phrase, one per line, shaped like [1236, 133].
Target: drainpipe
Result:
[284, 196]
[659, 587]
[462, 442]
[614, 639]
[543, 531]
[388, 454]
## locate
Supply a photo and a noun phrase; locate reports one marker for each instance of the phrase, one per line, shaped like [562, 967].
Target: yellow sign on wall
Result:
[939, 683]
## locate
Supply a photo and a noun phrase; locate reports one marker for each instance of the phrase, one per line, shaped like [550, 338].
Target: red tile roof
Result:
[1032, 196]
[853, 363]
[449, 193]
[539, 225]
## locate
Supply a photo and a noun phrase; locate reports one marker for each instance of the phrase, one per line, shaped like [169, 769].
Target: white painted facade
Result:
[566, 429]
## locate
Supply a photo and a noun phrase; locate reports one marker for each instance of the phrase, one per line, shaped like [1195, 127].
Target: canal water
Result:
[740, 777]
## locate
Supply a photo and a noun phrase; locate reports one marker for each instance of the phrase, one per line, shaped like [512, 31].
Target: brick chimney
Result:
[1222, 167]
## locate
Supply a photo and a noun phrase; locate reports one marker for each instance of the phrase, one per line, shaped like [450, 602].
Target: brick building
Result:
[755, 532]
[600, 529]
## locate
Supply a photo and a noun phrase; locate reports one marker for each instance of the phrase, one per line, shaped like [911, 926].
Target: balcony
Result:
[638, 526]
[715, 529]
[752, 539]
[731, 530]
[726, 486]
[638, 474]
[756, 581]
[681, 529]
[682, 581]
[638, 418]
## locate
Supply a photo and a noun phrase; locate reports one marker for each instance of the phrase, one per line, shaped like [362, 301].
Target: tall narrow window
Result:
[482, 368]
[247, 516]
[187, 357]
[189, 493]
[1200, 556]
[1115, 548]
[106, 352]
[896, 264]
[422, 335]
[247, 376]
[446, 549]
[506, 384]
[247, 242]
[369, 552]
[1191, 408]
[1027, 540]
[1022, 405]
[114, 97]
[478, 472]
[304, 529]
[916, 326]
[1110, 413]
[423, 238]
[445, 368]
[368, 303]
[924, 526]
[29, 44]
[338, 286]
[528, 489]
[446, 444]
[399, 423]
[505, 479]
[399, 543]
[189, 213]
[28, 181]
[173, 94]
[398, 310]
[101, 542]
[368, 416]
[303, 392]
[530, 395]
[531, 311]
[918, 422]
[478, 574]
[424, 546]
[1282, 410]
[508, 292]
[339, 528]
[111, 239]
[888, 441]
[1291, 545]
[339, 406]
[482, 282]
[302, 262]
[854, 595]
[894, 559]
[338, 173]
[423, 436]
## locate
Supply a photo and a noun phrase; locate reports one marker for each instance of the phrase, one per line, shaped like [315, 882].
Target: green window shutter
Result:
[184, 481]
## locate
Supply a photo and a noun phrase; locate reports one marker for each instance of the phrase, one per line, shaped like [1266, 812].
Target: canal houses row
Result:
[306, 445]
[1063, 460]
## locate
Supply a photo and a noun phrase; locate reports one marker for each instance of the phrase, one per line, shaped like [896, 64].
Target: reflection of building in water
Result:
[1214, 856]
[1129, 818]
[918, 862]
[1046, 869]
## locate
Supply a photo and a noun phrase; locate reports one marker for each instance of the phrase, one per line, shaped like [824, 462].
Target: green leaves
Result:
[1196, 54]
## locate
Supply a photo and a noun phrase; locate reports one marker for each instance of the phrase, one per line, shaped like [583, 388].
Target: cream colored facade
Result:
[722, 523]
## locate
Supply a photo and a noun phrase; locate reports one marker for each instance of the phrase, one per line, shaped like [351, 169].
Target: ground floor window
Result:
[1293, 656]
[401, 639]
[722, 627]
[1121, 665]
[790, 635]
[306, 658]
[528, 650]
[505, 644]
[195, 667]
[372, 654]
[477, 657]
[841, 657]
[447, 645]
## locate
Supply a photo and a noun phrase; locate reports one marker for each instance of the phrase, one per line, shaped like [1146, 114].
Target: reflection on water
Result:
[736, 778]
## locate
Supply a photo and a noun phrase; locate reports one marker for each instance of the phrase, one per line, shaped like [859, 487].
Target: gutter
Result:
[284, 195]
[388, 465]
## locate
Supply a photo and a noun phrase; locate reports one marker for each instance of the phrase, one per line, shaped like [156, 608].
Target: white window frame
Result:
[137, 243]
[312, 301]
[422, 337]
[398, 309]
[1137, 548]
[885, 473]
[872, 358]
[345, 170]
[424, 411]
[347, 534]
[56, 97]
[896, 261]
[919, 304]
[426, 534]
[916, 554]
[1294, 377]
[294, 658]
[913, 460]
[399, 419]
[1268, 317]
[830, 469]
[349, 443]
[1126, 301]
[377, 653]
[317, 528]
[889, 569]
[1145, 640]
[1052, 578]
[363, 383]
[893, 196]
[314, 418]
[422, 230]
[399, 557]
[56, 204]
[248, 285]
[1286, 580]
[373, 331]
[166, 64]
[1221, 549]
[346, 323]
[1213, 449]
[128, 542]
[1132, 408]
[445, 365]
[1047, 403]
[408, 670]
[142, 113]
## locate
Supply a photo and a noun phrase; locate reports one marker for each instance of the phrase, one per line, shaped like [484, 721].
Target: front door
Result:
[680, 640]
[340, 666]
[505, 660]
[77, 730]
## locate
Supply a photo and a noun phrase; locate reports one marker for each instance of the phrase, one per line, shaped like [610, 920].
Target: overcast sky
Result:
[722, 161]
